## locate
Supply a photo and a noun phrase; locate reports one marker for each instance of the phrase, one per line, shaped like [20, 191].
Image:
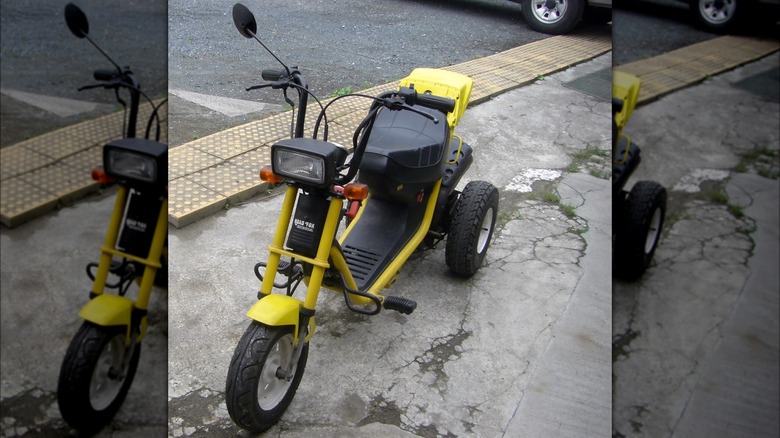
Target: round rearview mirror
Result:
[244, 20]
[77, 21]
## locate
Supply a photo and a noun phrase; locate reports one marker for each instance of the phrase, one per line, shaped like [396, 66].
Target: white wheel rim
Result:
[653, 231]
[717, 11]
[549, 11]
[103, 388]
[271, 389]
[484, 231]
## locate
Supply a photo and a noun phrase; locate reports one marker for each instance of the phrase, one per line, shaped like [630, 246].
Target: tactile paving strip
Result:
[55, 168]
[689, 65]
[216, 185]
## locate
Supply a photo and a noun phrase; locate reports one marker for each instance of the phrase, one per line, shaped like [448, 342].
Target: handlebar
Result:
[412, 97]
[105, 75]
[272, 74]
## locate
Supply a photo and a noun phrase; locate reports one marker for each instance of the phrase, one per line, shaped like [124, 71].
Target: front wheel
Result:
[256, 394]
[471, 228]
[552, 16]
[94, 377]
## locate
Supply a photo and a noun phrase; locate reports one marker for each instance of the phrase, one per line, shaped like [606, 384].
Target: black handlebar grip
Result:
[104, 75]
[443, 104]
[272, 74]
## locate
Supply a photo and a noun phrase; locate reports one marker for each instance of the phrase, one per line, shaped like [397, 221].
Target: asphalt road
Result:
[337, 45]
[42, 58]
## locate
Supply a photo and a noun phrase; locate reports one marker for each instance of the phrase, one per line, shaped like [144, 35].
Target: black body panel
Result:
[367, 251]
[621, 171]
[404, 154]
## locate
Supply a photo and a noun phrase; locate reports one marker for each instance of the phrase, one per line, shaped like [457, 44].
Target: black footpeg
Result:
[399, 304]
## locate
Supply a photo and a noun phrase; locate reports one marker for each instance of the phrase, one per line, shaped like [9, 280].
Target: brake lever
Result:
[113, 84]
[422, 113]
[398, 103]
[282, 84]
[257, 87]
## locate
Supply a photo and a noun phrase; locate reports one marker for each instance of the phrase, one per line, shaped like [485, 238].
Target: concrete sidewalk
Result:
[696, 341]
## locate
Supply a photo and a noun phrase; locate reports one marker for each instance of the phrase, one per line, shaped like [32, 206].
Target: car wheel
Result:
[715, 15]
[552, 16]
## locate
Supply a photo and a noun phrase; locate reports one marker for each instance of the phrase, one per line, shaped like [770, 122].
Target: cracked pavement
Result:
[695, 340]
[520, 348]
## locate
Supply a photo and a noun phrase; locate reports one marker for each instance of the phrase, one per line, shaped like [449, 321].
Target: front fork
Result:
[113, 310]
[281, 310]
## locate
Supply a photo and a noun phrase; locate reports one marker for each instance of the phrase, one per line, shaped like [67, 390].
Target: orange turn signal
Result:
[99, 175]
[356, 191]
[267, 174]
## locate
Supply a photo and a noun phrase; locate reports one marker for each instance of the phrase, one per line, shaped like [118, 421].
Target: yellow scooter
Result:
[102, 358]
[638, 215]
[410, 163]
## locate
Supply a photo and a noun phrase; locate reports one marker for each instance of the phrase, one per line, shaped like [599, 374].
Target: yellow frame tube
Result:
[323, 251]
[152, 261]
[290, 195]
[111, 235]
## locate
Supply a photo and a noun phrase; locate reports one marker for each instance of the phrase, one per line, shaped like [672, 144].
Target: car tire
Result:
[715, 15]
[554, 17]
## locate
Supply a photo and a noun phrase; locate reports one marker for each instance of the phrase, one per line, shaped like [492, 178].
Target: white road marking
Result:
[225, 105]
[57, 105]
[522, 183]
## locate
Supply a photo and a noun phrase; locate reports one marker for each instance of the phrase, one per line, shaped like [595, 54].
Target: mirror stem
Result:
[119, 69]
[268, 50]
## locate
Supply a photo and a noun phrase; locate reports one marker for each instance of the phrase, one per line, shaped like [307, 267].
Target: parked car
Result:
[561, 16]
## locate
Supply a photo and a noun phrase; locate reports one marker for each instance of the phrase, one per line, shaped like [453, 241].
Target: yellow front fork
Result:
[113, 310]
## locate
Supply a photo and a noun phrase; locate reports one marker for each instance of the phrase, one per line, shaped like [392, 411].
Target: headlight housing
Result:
[137, 162]
[307, 161]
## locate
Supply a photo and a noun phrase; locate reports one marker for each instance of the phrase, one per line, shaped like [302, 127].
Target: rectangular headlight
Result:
[299, 166]
[136, 162]
[131, 165]
[307, 161]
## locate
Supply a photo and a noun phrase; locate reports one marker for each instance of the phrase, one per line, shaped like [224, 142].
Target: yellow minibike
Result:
[102, 358]
[404, 200]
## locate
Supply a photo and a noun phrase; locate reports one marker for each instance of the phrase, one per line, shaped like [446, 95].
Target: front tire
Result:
[554, 17]
[471, 228]
[90, 388]
[640, 229]
[256, 398]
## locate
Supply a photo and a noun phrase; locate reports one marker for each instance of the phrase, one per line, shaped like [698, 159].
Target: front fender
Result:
[111, 310]
[279, 310]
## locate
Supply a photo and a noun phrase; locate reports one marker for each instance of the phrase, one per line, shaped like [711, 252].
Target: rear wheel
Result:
[638, 234]
[256, 395]
[471, 228]
[552, 16]
[93, 380]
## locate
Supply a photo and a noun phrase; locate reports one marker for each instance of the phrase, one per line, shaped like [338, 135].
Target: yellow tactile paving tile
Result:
[191, 199]
[22, 201]
[185, 160]
[55, 168]
[688, 65]
[16, 160]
